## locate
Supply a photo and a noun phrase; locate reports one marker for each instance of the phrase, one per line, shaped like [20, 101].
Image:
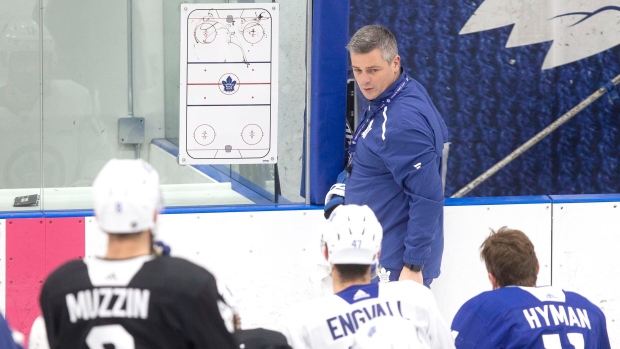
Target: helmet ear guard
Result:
[353, 235]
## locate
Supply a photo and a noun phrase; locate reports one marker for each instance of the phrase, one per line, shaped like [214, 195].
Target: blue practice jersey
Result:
[530, 317]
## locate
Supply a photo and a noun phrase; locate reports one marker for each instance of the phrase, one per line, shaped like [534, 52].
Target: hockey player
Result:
[351, 244]
[516, 313]
[132, 298]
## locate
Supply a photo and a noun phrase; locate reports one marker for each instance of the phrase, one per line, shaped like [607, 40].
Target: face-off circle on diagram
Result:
[205, 33]
[253, 32]
[229, 83]
[204, 134]
[252, 134]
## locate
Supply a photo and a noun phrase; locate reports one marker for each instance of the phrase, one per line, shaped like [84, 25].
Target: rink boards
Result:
[270, 256]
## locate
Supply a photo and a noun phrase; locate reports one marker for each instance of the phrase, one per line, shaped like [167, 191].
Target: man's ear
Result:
[537, 268]
[325, 253]
[396, 62]
[493, 281]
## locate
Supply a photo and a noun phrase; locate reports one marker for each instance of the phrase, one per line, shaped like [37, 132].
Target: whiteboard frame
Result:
[187, 129]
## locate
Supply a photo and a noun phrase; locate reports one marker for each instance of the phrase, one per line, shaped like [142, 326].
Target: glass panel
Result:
[85, 92]
[65, 81]
[260, 178]
[20, 106]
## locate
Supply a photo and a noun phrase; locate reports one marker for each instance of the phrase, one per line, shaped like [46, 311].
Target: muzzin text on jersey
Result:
[108, 302]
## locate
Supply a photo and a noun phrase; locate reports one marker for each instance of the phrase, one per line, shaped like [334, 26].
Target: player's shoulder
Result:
[179, 268]
[494, 302]
[177, 261]
[556, 294]
[174, 275]
[70, 268]
[574, 298]
[73, 273]
[572, 295]
[180, 271]
[506, 299]
[479, 300]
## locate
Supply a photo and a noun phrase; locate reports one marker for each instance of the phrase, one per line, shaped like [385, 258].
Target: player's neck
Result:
[340, 285]
[128, 246]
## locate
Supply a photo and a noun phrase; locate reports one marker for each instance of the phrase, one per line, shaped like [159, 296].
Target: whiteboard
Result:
[229, 84]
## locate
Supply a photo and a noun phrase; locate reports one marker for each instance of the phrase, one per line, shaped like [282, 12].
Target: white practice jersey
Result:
[331, 322]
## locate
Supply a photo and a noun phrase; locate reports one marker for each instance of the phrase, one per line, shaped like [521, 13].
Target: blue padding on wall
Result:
[330, 35]
[498, 200]
[565, 199]
[21, 214]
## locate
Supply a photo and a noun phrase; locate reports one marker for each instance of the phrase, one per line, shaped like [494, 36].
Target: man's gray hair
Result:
[371, 37]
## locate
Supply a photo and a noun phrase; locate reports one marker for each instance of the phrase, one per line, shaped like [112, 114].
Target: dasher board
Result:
[229, 84]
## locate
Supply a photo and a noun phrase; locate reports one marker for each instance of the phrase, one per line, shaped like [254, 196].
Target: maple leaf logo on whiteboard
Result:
[578, 28]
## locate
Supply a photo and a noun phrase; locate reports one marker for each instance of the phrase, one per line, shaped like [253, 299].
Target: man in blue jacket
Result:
[395, 158]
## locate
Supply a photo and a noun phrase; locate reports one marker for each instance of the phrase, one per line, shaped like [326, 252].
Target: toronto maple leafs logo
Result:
[384, 275]
[229, 84]
[578, 29]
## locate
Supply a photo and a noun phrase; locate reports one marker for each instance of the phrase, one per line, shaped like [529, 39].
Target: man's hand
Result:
[408, 274]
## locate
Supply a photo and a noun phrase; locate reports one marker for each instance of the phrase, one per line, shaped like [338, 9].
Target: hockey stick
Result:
[537, 138]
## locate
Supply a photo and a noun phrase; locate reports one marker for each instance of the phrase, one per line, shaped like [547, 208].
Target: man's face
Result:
[373, 73]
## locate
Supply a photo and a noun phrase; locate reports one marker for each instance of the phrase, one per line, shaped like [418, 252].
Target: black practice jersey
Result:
[143, 302]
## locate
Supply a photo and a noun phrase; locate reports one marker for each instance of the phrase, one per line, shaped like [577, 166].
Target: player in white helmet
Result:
[351, 244]
[132, 298]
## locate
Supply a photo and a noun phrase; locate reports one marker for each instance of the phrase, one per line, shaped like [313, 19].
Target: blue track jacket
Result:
[397, 173]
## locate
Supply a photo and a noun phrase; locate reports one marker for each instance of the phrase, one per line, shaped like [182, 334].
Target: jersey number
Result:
[552, 341]
[357, 243]
[115, 335]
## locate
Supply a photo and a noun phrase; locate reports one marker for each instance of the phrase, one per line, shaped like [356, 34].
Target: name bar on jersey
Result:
[108, 302]
[346, 324]
[560, 315]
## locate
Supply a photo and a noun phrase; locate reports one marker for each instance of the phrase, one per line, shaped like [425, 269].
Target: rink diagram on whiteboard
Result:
[228, 109]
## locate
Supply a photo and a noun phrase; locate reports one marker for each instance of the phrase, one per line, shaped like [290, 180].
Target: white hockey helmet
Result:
[390, 332]
[353, 235]
[23, 35]
[126, 196]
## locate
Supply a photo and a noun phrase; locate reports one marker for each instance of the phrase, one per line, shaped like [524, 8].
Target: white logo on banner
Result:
[578, 28]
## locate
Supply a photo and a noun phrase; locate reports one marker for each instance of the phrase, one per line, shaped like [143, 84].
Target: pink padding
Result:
[25, 270]
[65, 241]
[34, 248]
